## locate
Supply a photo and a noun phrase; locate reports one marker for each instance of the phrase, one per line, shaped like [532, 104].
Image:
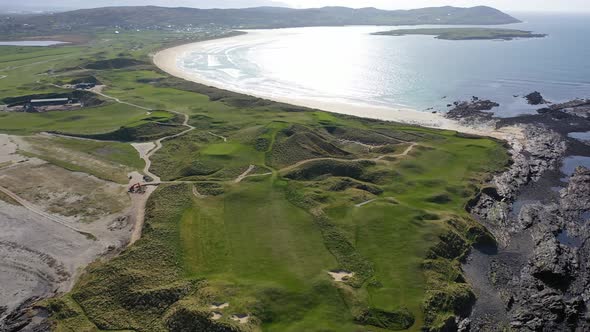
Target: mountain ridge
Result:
[154, 17]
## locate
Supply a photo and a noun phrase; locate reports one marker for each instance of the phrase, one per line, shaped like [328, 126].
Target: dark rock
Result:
[542, 284]
[535, 98]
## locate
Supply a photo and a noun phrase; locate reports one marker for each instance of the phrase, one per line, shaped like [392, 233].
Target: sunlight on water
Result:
[348, 64]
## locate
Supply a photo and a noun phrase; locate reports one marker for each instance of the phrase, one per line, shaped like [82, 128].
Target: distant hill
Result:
[37, 6]
[149, 17]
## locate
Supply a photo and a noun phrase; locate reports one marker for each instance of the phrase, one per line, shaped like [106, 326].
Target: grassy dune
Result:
[266, 244]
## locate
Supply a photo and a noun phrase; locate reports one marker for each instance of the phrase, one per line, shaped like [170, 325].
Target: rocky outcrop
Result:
[578, 107]
[542, 151]
[473, 112]
[540, 272]
[550, 291]
[535, 98]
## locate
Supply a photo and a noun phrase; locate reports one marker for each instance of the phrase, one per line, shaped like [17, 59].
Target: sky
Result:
[506, 5]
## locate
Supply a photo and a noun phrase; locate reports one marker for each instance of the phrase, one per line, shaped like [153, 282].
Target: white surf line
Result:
[36, 210]
[243, 175]
[223, 138]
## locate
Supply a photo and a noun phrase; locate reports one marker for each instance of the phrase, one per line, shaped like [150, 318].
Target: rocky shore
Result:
[537, 277]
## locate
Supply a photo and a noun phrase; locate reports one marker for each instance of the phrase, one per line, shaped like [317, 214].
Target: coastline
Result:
[167, 60]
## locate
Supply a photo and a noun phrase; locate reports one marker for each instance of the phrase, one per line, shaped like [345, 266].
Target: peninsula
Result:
[465, 33]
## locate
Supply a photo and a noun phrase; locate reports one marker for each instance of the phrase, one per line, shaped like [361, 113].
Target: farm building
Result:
[50, 102]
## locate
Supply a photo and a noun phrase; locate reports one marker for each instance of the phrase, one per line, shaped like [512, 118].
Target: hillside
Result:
[268, 217]
[155, 18]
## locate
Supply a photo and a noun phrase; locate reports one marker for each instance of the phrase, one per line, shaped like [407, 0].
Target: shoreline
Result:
[167, 61]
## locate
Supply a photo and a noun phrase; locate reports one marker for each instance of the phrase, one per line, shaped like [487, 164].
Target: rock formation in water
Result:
[540, 271]
[535, 98]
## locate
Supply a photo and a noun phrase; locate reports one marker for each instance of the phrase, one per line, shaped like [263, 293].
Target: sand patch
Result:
[8, 152]
[216, 315]
[341, 276]
[219, 305]
[241, 318]
[143, 148]
[76, 196]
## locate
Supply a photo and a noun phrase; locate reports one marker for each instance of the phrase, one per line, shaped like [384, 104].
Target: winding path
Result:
[245, 174]
[303, 162]
[121, 102]
[222, 137]
[140, 200]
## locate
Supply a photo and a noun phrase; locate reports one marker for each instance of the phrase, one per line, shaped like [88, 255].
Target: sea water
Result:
[348, 64]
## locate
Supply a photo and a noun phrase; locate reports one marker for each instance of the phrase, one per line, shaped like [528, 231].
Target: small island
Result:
[465, 33]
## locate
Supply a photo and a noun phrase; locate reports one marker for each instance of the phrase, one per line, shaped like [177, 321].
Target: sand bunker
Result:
[219, 305]
[341, 276]
[143, 148]
[216, 315]
[241, 318]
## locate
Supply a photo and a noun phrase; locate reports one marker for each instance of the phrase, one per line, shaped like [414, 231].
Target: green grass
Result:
[263, 245]
[96, 120]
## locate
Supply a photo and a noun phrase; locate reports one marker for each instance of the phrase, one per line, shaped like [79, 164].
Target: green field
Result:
[264, 245]
[465, 33]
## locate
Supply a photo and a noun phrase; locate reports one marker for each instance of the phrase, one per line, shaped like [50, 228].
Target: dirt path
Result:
[365, 203]
[245, 174]
[222, 137]
[368, 146]
[119, 101]
[197, 193]
[29, 206]
[146, 151]
[303, 162]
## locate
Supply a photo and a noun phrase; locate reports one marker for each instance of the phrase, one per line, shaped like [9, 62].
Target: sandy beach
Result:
[168, 60]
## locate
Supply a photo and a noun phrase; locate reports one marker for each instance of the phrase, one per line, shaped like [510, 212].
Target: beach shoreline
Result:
[167, 61]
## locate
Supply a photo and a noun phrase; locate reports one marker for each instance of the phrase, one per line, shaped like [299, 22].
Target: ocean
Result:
[349, 65]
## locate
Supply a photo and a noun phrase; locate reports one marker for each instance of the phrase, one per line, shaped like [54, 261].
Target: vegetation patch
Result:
[265, 244]
[399, 320]
[115, 63]
[315, 169]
